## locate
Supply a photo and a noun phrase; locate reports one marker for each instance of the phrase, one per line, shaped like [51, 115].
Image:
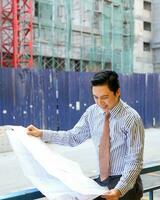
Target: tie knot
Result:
[107, 115]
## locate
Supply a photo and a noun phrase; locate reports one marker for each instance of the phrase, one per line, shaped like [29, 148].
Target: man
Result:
[108, 118]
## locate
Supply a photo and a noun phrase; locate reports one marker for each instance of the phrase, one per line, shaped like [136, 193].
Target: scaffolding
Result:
[16, 33]
[83, 35]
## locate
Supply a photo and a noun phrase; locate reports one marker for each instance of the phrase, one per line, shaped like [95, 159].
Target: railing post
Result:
[151, 195]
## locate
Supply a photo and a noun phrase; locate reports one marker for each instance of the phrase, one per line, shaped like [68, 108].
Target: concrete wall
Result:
[156, 34]
[142, 59]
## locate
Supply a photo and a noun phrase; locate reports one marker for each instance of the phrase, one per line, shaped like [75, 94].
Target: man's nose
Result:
[100, 102]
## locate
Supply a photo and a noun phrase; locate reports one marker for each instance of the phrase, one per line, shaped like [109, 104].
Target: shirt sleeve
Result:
[134, 157]
[73, 137]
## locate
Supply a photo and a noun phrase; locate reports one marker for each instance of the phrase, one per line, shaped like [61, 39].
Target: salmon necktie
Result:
[104, 151]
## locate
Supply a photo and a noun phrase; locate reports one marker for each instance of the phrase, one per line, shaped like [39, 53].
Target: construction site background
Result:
[72, 35]
[85, 35]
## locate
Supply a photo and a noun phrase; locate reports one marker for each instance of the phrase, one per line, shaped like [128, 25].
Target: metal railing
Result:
[33, 193]
[149, 169]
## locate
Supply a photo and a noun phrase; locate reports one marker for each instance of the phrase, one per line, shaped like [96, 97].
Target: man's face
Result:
[104, 97]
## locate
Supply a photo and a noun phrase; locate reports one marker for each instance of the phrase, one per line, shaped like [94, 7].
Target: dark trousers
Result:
[134, 194]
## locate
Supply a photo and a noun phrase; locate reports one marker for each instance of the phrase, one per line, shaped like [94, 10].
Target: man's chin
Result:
[105, 109]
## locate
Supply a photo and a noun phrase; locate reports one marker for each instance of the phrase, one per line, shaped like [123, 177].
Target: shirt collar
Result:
[115, 110]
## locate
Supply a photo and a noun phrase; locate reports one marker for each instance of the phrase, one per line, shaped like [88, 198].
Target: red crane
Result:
[16, 45]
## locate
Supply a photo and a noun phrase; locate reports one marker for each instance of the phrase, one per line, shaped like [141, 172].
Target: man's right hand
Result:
[34, 131]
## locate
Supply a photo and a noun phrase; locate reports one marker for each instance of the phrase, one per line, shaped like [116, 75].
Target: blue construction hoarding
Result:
[57, 100]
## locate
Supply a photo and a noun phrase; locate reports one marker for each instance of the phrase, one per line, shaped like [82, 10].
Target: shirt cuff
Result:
[47, 135]
[123, 190]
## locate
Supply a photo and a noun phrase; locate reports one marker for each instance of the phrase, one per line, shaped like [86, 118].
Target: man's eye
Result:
[105, 98]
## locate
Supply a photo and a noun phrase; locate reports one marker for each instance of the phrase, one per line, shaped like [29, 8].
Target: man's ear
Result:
[118, 93]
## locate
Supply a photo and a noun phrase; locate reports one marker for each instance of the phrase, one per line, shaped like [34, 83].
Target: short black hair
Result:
[109, 78]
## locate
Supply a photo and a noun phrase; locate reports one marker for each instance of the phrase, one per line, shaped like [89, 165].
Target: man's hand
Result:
[32, 130]
[113, 194]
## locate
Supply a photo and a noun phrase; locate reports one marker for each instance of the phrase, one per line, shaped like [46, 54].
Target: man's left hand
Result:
[113, 194]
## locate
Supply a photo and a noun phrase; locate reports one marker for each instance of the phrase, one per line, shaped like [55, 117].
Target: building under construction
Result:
[156, 35]
[71, 35]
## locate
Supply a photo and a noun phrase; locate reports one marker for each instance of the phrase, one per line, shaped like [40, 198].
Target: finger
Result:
[31, 127]
[29, 132]
[108, 196]
[33, 133]
[104, 197]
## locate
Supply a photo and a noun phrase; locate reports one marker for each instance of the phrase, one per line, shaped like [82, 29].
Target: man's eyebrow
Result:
[106, 95]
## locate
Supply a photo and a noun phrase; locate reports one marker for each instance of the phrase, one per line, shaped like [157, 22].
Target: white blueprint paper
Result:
[55, 176]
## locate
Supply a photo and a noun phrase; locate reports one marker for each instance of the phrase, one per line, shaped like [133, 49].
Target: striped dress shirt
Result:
[126, 140]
